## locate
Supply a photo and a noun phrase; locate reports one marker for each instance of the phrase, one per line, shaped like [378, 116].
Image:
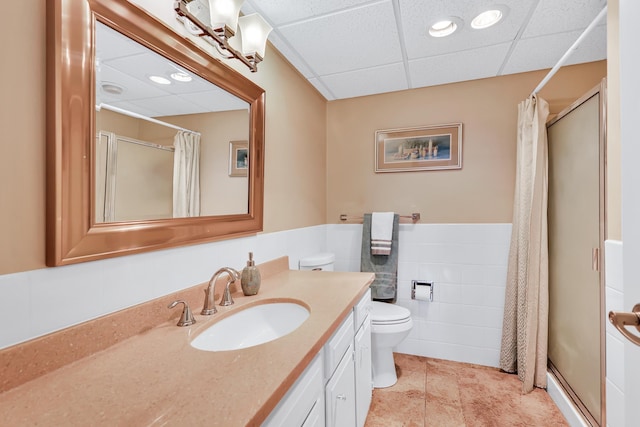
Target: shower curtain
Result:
[524, 331]
[186, 175]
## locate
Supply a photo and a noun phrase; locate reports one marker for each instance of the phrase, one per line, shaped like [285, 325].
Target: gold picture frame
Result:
[238, 158]
[423, 148]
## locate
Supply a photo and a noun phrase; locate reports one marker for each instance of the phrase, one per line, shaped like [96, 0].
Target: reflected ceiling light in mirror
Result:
[160, 80]
[486, 19]
[224, 20]
[179, 76]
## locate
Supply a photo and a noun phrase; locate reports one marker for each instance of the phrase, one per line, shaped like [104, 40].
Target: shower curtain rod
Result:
[568, 53]
[140, 116]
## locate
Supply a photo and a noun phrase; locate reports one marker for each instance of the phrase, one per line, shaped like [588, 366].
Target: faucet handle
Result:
[186, 319]
[226, 299]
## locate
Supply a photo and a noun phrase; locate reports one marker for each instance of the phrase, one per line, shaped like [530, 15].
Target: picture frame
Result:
[238, 158]
[424, 148]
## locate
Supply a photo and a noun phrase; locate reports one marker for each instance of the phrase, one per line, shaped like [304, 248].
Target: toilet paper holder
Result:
[421, 287]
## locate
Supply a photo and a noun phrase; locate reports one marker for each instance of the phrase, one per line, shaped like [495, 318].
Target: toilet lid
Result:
[384, 312]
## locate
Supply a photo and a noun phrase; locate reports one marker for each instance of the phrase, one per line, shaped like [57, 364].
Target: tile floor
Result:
[439, 393]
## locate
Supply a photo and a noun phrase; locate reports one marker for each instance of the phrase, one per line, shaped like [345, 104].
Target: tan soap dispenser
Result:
[250, 277]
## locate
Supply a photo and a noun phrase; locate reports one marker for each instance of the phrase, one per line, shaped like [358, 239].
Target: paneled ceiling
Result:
[351, 48]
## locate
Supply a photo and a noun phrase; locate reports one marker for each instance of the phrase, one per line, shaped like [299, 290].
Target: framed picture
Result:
[419, 149]
[238, 158]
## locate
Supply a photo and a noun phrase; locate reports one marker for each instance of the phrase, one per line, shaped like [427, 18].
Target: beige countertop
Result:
[157, 378]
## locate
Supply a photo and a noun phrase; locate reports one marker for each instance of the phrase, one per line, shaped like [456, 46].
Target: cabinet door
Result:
[340, 394]
[302, 398]
[363, 371]
[316, 416]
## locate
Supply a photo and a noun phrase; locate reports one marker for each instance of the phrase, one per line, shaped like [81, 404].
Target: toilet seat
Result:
[389, 314]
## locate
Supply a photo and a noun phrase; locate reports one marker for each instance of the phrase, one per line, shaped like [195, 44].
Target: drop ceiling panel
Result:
[216, 100]
[554, 16]
[286, 11]
[544, 52]
[357, 38]
[111, 44]
[167, 105]
[292, 56]
[132, 88]
[418, 16]
[456, 67]
[387, 78]
[348, 48]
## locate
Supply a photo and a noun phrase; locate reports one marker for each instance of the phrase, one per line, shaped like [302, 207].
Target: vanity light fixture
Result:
[486, 19]
[224, 21]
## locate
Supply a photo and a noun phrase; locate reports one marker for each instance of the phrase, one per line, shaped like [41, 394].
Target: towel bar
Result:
[413, 217]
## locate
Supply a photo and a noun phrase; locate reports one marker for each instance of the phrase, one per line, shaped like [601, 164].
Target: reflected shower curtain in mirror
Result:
[524, 331]
[186, 175]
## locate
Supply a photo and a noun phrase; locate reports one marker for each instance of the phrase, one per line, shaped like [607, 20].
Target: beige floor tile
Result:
[440, 393]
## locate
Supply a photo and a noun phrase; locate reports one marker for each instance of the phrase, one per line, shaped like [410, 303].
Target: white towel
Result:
[381, 233]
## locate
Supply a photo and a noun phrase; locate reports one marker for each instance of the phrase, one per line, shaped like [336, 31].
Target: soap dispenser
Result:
[250, 277]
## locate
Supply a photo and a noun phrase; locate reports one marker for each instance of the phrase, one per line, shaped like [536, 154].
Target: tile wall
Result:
[468, 265]
[614, 340]
[41, 301]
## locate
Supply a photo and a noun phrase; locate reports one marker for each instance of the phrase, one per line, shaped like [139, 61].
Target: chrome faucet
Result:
[209, 302]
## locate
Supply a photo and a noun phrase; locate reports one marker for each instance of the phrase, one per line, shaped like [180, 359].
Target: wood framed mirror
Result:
[75, 230]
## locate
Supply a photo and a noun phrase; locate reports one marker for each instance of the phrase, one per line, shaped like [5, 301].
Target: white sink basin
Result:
[252, 326]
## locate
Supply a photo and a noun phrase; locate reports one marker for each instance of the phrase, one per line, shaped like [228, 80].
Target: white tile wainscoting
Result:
[467, 264]
[614, 297]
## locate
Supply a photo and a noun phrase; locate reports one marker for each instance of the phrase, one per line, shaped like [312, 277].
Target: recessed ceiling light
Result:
[486, 19]
[180, 76]
[443, 28]
[160, 80]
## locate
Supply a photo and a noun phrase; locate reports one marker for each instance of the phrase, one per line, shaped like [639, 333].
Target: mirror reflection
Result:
[169, 144]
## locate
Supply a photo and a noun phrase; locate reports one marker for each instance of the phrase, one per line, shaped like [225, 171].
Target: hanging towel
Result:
[381, 231]
[385, 284]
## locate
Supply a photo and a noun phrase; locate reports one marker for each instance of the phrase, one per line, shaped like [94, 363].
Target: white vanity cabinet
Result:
[335, 389]
[339, 371]
[340, 393]
[303, 405]
[362, 353]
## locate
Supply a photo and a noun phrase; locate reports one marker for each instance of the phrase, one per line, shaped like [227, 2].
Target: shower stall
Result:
[576, 233]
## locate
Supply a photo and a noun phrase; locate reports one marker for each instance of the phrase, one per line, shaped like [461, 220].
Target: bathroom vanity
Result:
[158, 377]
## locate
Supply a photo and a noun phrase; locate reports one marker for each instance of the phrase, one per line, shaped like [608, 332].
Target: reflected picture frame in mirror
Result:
[73, 235]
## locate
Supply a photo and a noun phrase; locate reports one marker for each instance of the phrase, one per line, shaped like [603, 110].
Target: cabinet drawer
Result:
[362, 309]
[337, 345]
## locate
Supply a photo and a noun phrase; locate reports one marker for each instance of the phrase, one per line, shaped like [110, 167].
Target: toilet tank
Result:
[322, 261]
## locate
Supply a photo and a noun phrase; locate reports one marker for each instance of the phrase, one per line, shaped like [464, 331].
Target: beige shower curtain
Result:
[524, 332]
[186, 175]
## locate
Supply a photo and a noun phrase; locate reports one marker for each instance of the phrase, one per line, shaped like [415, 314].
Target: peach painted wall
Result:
[295, 188]
[319, 158]
[482, 191]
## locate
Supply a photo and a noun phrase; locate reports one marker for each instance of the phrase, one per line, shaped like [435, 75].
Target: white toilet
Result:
[390, 325]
